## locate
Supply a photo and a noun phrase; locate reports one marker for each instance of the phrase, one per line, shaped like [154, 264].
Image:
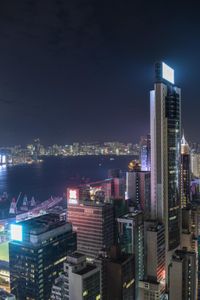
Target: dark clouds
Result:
[82, 70]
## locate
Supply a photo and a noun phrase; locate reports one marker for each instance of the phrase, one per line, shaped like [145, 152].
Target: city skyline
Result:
[99, 150]
[83, 72]
[133, 235]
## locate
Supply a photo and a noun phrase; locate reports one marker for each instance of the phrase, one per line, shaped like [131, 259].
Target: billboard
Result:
[167, 73]
[16, 232]
[72, 196]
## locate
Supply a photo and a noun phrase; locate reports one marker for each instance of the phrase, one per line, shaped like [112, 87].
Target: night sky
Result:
[73, 70]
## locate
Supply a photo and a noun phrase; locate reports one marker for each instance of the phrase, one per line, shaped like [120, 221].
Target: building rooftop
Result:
[150, 280]
[76, 255]
[185, 149]
[42, 223]
[131, 215]
[155, 227]
[85, 270]
[95, 204]
[179, 255]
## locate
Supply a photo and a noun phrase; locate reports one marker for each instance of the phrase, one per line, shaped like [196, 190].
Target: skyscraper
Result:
[182, 276]
[138, 190]
[145, 153]
[37, 250]
[165, 107]
[153, 284]
[131, 238]
[185, 173]
[117, 274]
[195, 163]
[93, 222]
[80, 280]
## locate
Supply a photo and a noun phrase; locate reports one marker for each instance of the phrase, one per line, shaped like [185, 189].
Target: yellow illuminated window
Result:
[85, 293]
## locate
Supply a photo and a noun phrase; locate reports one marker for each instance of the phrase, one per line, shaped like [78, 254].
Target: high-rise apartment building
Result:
[195, 164]
[131, 239]
[165, 107]
[185, 173]
[182, 276]
[79, 280]
[150, 290]
[93, 222]
[153, 284]
[37, 250]
[155, 252]
[138, 190]
[117, 274]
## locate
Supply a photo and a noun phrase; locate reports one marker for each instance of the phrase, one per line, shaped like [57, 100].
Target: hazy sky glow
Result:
[82, 70]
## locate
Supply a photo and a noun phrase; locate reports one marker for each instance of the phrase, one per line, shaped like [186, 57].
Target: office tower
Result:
[79, 280]
[195, 164]
[37, 250]
[187, 236]
[182, 276]
[155, 235]
[6, 296]
[117, 274]
[185, 173]
[131, 240]
[120, 208]
[138, 190]
[195, 229]
[145, 153]
[153, 284]
[165, 106]
[102, 191]
[150, 290]
[94, 224]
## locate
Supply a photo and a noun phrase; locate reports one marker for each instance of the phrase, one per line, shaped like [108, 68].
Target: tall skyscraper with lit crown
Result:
[165, 107]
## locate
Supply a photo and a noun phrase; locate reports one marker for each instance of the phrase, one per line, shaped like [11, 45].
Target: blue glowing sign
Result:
[16, 232]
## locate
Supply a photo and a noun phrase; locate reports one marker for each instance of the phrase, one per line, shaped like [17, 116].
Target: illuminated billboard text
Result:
[72, 196]
[167, 73]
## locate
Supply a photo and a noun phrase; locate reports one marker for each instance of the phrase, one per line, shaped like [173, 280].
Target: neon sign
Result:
[72, 196]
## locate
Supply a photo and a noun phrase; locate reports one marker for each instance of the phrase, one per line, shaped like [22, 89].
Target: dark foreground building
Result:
[37, 251]
[117, 275]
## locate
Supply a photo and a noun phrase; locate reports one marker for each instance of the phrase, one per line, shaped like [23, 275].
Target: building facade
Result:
[37, 250]
[131, 240]
[145, 153]
[182, 276]
[153, 284]
[94, 224]
[117, 274]
[138, 190]
[195, 164]
[165, 107]
[185, 173]
[79, 280]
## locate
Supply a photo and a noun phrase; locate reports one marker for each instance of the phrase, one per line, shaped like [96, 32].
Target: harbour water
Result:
[55, 174]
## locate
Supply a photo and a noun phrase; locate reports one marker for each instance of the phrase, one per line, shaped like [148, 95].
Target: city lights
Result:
[16, 232]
